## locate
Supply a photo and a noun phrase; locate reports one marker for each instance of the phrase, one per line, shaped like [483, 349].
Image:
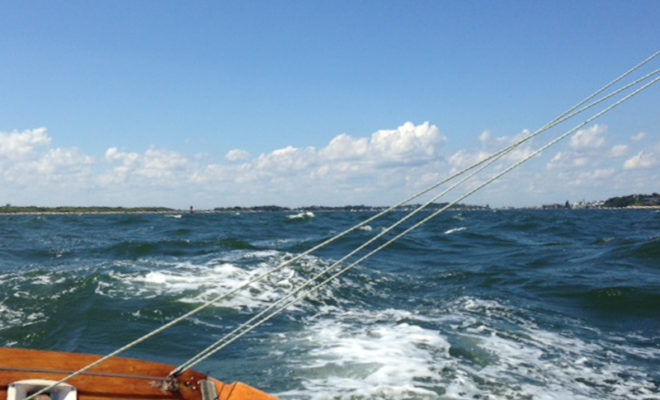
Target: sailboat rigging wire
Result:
[211, 349]
[487, 162]
[245, 328]
[332, 239]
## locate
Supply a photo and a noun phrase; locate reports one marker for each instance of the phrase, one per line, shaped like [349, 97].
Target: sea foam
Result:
[197, 283]
[460, 352]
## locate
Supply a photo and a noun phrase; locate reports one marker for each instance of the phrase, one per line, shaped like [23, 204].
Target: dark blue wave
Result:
[91, 283]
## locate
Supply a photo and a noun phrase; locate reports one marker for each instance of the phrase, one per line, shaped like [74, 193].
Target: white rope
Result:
[487, 162]
[210, 349]
[245, 328]
[250, 282]
[328, 241]
[246, 284]
[215, 347]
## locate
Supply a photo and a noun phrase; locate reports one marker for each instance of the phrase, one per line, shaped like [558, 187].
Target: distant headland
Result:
[10, 209]
[633, 201]
[629, 201]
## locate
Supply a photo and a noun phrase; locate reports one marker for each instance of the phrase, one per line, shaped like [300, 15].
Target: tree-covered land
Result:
[9, 209]
[408, 207]
[633, 200]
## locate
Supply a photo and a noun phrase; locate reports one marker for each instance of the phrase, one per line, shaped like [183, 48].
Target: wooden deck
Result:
[117, 378]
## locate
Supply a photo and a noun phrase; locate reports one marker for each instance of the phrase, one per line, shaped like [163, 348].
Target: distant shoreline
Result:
[128, 211]
[86, 212]
[629, 202]
[33, 210]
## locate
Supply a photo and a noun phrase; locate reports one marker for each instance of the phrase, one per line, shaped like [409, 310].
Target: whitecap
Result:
[528, 361]
[362, 354]
[302, 215]
[198, 283]
[10, 317]
[473, 348]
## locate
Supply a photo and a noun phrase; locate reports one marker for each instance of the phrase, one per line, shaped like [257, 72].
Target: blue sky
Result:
[171, 103]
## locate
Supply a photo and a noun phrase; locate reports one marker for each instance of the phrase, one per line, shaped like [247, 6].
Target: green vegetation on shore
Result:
[408, 207]
[634, 200]
[9, 209]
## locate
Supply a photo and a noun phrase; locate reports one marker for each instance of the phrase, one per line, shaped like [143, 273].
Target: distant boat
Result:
[23, 373]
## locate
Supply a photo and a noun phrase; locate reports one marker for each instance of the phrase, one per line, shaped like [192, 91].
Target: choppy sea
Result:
[474, 305]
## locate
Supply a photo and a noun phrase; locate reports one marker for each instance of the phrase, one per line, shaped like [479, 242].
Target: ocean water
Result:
[474, 305]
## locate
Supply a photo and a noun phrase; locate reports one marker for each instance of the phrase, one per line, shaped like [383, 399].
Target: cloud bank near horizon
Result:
[380, 169]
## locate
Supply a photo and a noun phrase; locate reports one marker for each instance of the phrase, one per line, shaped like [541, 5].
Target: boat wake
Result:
[471, 349]
[434, 318]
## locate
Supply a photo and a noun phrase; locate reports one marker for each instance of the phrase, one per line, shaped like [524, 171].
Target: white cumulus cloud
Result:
[289, 159]
[162, 164]
[598, 174]
[237, 155]
[619, 150]
[407, 143]
[380, 168]
[154, 166]
[639, 161]
[485, 136]
[346, 164]
[590, 138]
[638, 137]
[18, 145]
[66, 166]
[580, 161]
[555, 161]
[345, 147]
[127, 159]
[464, 158]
